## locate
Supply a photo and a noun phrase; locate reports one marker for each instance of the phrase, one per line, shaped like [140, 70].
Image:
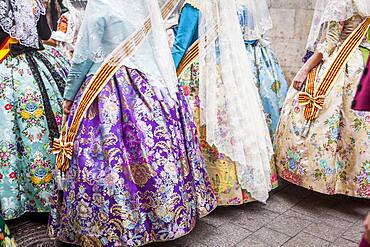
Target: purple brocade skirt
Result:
[137, 174]
[362, 98]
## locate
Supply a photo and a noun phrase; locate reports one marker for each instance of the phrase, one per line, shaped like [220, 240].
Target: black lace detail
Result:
[61, 83]
[50, 117]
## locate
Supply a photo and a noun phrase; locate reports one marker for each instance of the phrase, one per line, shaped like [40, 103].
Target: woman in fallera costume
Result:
[31, 90]
[255, 21]
[136, 173]
[68, 26]
[234, 156]
[321, 143]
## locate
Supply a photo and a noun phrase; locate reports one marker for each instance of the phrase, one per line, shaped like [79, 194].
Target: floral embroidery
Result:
[25, 158]
[363, 179]
[6, 238]
[6, 152]
[40, 170]
[276, 86]
[31, 108]
[329, 155]
[137, 174]
[221, 168]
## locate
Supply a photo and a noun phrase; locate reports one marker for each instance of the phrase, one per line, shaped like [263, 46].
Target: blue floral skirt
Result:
[31, 88]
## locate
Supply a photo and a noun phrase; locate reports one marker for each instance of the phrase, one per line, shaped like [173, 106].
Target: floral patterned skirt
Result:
[6, 238]
[271, 82]
[137, 174]
[31, 87]
[333, 154]
[221, 169]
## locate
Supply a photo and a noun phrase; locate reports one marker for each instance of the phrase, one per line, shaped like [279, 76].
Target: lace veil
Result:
[108, 23]
[19, 19]
[334, 10]
[254, 17]
[231, 107]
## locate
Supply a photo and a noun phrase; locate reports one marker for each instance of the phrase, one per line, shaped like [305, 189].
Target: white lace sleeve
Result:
[331, 39]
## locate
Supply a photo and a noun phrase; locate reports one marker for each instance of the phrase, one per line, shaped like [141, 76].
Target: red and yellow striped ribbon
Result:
[5, 47]
[314, 101]
[63, 147]
[189, 58]
[193, 52]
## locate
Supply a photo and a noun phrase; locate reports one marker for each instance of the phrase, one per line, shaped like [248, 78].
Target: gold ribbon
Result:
[314, 101]
[190, 56]
[64, 145]
[64, 152]
[311, 103]
[5, 47]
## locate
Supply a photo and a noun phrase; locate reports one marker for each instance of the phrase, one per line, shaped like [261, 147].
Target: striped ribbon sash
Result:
[5, 47]
[63, 147]
[193, 52]
[189, 58]
[313, 100]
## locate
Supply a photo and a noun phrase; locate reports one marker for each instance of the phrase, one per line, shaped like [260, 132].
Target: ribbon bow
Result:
[64, 151]
[312, 104]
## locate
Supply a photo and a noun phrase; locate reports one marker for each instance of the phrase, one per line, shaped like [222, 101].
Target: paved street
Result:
[293, 217]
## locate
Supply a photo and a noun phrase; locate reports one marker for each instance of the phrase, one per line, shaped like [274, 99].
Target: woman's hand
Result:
[300, 79]
[67, 106]
[50, 42]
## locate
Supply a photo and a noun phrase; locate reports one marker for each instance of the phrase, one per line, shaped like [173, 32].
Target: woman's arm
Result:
[325, 48]
[76, 77]
[79, 71]
[302, 74]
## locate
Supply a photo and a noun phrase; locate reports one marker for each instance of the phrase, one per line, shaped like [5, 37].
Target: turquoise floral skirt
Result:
[31, 89]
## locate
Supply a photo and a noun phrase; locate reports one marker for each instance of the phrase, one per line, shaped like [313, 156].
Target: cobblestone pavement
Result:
[293, 217]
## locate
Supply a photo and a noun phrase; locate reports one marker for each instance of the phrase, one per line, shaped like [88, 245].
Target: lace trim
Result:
[322, 49]
[19, 19]
[194, 3]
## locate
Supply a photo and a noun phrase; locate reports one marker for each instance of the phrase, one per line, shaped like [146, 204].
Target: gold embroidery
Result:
[185, 166]
[141, 173]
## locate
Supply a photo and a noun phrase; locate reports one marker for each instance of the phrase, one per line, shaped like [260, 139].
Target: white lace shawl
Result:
[231, 107]
[108, 23]
[255, 19]
[19, 19]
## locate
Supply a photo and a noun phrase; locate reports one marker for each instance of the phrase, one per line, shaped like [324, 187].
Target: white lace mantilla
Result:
[231, 107]
[19, 19]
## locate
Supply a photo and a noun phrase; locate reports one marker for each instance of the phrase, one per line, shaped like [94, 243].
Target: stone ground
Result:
[293, 217]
